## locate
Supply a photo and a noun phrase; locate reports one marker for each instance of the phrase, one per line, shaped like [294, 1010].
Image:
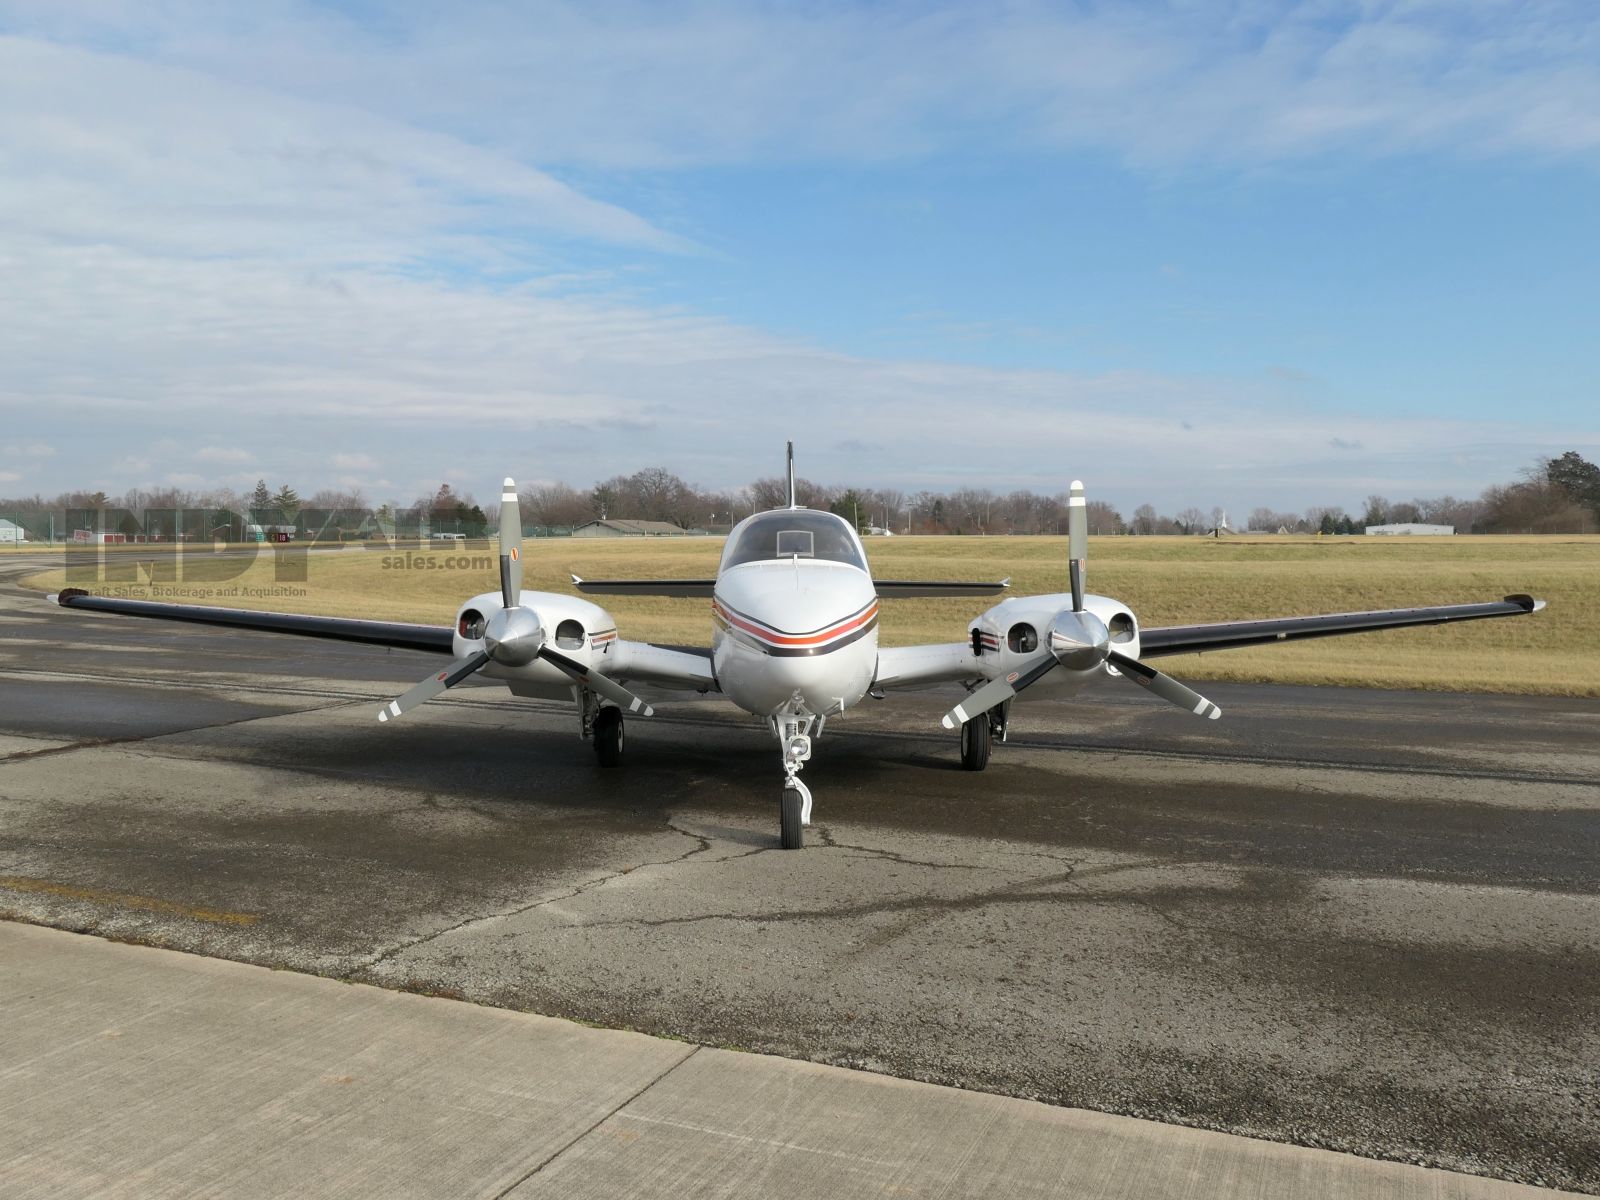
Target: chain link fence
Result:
[120, 526]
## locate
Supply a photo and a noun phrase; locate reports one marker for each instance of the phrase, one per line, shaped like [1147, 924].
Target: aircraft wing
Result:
[905, 667]
[435, 639]
[888, 589]
[1227, 635]
[677, 668]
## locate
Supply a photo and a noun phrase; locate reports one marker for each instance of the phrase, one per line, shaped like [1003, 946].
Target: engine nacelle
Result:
[581, 630]
[1018, 628]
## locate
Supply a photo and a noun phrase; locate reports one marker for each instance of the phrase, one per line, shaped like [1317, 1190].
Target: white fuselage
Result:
[795, 615]
[796, 636]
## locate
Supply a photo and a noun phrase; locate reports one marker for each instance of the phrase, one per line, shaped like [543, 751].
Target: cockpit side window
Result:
[793, 533]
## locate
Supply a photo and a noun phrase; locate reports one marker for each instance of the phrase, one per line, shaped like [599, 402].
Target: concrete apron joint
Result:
[702, 845]
[545, 1162]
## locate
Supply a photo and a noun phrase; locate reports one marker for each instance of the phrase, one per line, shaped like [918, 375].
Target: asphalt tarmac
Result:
[1353, 919]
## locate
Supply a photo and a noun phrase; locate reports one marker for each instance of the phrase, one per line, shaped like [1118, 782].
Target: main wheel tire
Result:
[975, 737]
[791, 832]
[608, 737]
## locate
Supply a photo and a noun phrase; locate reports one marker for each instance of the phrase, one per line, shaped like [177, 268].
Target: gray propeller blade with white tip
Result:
[1165, 686]
[1077, 542]
[510, 546]
[593, 680]
[998, 691]
[432, 686]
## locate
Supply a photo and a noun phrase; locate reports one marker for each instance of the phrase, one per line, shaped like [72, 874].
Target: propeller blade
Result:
[998, 691]
[610, 689]
[1077, 542]
[432, 686]
[510, 546]
[1165, 686]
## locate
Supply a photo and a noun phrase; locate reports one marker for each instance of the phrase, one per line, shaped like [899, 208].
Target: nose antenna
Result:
[792, 504]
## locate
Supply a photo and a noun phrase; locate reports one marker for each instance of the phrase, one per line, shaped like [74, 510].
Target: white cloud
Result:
[30, 450]
[194, 243]
[444, 381]
[9, 477]
[105, 149]
[650, 85]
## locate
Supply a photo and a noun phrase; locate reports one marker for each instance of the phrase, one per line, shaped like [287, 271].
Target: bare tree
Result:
[1103, 519]
[774, 493]
[555, 504]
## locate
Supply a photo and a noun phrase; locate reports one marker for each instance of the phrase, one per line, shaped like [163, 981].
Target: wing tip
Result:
[1525, 602]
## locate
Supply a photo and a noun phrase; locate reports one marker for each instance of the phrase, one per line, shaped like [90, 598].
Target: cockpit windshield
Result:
[793, 533]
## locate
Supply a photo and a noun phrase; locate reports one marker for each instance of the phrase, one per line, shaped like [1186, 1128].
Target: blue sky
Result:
[1238, 254]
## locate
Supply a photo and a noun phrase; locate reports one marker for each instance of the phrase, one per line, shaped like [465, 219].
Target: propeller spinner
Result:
[1079, 641]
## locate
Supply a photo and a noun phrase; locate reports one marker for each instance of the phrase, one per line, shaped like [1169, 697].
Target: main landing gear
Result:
[978, 734]
[794, 802]
[603, 723]
[608, 736]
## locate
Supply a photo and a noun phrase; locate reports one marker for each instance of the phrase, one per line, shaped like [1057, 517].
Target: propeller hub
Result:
[513, 636]
[1079, 640]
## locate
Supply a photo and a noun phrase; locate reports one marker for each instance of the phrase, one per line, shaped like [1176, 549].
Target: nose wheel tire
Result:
[975, 736]
[608, 736]
[791, 832]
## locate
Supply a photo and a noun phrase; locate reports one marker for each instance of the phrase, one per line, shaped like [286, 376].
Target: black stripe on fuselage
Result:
[772, 651]
[776, 632]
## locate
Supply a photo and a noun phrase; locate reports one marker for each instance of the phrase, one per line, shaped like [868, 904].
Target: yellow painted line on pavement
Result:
[67, 891]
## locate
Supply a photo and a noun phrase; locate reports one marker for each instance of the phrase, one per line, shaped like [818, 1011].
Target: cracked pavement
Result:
[1358, 920]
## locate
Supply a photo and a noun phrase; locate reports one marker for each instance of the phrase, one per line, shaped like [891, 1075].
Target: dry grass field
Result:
[1166, 581]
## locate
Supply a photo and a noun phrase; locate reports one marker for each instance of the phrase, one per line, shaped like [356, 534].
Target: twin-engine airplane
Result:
[794, 640]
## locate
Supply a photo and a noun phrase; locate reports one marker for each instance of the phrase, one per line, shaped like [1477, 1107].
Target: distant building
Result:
[1410, 528]
[269, 533]
[621, 528]
[11, 532]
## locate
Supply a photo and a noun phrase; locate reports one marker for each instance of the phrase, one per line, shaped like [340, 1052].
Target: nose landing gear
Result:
[794, 804]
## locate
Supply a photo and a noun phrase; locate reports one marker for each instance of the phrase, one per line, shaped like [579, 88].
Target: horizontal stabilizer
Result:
[644, 587]
[923, 589]
[888, 589]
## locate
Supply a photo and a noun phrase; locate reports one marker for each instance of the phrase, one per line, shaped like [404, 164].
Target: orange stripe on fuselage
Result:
[783, 639]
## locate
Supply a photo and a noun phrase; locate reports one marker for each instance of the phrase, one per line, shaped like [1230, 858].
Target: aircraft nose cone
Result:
[1079, 640]
[513, 636]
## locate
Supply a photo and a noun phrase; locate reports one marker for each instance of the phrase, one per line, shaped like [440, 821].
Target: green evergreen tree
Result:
[1327, 524]
[286, 502]
[852, 508]
[261, 499]
[1577, 477]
